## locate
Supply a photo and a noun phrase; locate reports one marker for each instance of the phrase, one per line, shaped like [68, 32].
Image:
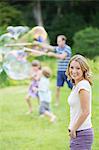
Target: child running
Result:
[36, 69]
[44, 94]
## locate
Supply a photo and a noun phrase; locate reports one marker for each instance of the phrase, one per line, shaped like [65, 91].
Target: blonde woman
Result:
[80, 127]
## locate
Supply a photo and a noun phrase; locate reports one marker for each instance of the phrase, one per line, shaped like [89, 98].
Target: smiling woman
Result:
[76, 72]
[80, 127]
[78, 65]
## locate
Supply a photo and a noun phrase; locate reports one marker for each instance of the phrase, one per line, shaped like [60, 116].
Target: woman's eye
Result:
[71, 67]
[78, 68]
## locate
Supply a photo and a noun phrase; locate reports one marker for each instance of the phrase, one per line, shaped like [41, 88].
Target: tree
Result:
[86, 42]
[10, 15]
[37, 12]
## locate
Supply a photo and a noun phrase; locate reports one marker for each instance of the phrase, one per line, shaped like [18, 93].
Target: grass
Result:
[19, 131]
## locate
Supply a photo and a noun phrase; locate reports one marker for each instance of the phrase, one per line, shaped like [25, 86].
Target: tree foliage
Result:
[57, 16]
[67, 25]
[86, 42]
[10, 15]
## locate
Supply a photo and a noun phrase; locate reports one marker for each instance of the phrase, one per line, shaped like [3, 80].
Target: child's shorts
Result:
[44, 106]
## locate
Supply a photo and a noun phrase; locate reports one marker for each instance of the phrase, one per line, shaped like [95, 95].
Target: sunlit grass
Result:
[19, 131]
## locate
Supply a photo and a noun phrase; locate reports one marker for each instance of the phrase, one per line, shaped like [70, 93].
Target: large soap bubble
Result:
[16, 65]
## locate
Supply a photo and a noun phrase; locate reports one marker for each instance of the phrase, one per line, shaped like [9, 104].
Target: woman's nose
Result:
[74, 70]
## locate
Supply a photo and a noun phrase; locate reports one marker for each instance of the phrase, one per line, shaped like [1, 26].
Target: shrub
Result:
[86, 42]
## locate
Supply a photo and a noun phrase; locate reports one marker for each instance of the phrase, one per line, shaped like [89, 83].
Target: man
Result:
[63, 54]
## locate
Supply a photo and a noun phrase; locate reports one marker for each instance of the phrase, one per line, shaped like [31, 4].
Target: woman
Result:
[80, 127]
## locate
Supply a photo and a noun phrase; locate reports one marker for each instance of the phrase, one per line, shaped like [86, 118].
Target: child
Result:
[36, 69]
[45, 94]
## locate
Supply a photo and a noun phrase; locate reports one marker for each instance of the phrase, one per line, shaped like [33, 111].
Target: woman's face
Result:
[75, 71]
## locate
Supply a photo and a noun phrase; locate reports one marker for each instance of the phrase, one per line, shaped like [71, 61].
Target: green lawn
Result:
[19, 131]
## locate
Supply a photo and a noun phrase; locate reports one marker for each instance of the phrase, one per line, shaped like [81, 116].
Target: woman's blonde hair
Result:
[84, 67]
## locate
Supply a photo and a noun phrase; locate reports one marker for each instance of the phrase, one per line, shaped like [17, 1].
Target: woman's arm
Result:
[85, 106]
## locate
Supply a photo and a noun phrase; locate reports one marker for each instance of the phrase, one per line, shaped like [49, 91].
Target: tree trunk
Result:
[37, 12]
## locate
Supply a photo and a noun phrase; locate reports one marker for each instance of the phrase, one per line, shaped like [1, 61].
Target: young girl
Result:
[36, 69]
[45, 94]
[80, 127]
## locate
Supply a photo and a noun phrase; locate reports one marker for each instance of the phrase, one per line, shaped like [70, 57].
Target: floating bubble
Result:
[39, 33]
[4, 50]
[16, 65]
[5, 39]
[32, 39]
[17, 31]
[11, 37]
